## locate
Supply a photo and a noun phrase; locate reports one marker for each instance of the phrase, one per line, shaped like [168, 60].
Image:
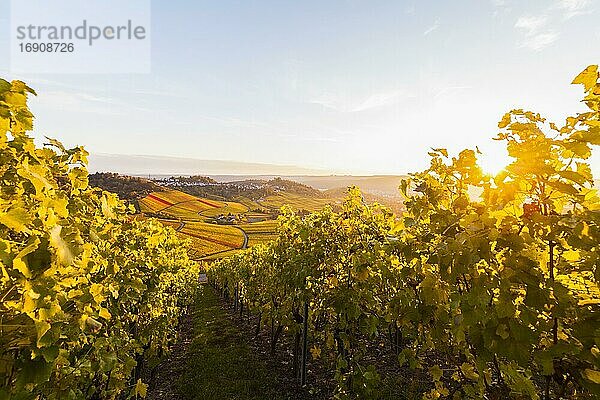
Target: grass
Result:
[220, 363]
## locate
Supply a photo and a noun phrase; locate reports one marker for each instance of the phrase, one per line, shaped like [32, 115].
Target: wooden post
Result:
[236, 298]
[304, 345]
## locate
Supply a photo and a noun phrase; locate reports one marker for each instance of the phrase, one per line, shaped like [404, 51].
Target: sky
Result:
[347, 87]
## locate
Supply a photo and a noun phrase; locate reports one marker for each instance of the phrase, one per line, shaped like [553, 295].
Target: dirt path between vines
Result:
[214, 360]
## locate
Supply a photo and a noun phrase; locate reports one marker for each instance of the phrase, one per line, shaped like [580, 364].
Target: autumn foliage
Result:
[87, 294]
[494, 295]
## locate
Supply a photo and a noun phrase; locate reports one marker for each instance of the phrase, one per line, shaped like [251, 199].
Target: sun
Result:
[493, 164]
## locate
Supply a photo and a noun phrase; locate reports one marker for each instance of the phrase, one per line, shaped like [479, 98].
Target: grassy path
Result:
[219, 364]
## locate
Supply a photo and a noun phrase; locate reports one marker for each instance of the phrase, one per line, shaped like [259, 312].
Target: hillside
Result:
[220, 218]
[252, 189]
[127, 187]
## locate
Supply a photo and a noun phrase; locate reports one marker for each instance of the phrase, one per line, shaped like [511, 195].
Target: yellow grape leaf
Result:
[79, 178]
[5, 276]
[506, 119]
[59, 205]
[104, 313]
[316, 352]
[32, 245]
[62, 248]
[97, 290]
[362, 275]
[141, 388]
[15, 218]
[41, 327]
[4, 127]
[469, 371]
[47, 313]
[29, 146]
[587, 77]
[80, 155]
[20, 266]
[571, 255]
[36, 175]
[107, 207]
[588, 302]
[5, 86]
[114, 290]
[15, 99]
[83, 321]
[56, 143]
[333, 281]
[74, 293]
[29, 304]
[444, 152]
[592, 375]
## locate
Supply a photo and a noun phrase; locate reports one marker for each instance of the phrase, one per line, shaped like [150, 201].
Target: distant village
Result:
[178, 182]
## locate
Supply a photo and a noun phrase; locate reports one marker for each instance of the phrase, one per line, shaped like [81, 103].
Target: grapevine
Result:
[87, 293]
[488, 284]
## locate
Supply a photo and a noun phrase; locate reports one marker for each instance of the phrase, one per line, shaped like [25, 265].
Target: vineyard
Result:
[493, 295]
[201, 220]
[260, 232]
[485, 287]
[194, 220]
[176, 204]
[296, 202]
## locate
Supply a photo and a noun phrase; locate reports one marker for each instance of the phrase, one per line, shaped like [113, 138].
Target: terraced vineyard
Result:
[260, 232]
[176, 204]
[220, 228]
[296, 202]
[225, 208]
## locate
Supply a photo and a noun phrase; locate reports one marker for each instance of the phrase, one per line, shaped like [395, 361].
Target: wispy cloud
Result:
[432, 28]
[64, 86]
[231, 122]
[449, 89]
[76, 102]
[500, 8]
[536, 33]
[541, 30]
[532, 24]
[87, 103]
[350, 105]
[572, 8]
[540, 41]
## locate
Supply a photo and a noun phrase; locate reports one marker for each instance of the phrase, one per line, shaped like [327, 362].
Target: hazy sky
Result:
[355, 86]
